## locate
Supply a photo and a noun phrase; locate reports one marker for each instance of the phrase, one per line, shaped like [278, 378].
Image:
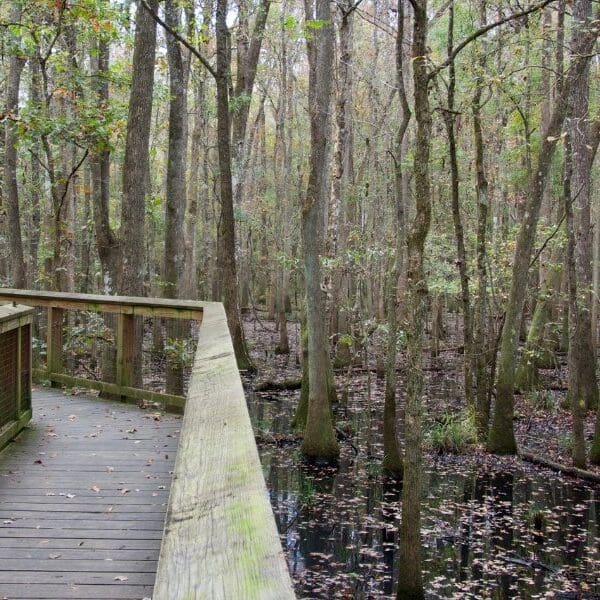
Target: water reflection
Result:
[486, 533]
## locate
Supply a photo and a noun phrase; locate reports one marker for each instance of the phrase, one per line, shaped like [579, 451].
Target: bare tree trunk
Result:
[226, 248]
[501, 438]
[449, 121]
[341, 182]
[482, 410]
[319, 437]
[392, 459]
[107, 244]
[175, 192]
[136, 167]
[583, 386]
[11, 191]
[537, 352]
[575, 346]
[410, 583]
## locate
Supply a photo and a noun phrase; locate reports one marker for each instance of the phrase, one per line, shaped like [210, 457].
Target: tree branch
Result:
[180, 39]
[484, 30]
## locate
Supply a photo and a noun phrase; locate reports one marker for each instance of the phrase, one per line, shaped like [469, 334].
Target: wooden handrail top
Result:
[220, 540]
[10, 312]
[136, 305]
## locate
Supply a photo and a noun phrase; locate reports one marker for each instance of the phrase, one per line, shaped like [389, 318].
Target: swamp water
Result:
[490, 527]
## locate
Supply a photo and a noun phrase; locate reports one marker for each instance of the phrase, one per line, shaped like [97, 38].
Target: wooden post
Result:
[55, 341]
[125, 349]
[19, 391]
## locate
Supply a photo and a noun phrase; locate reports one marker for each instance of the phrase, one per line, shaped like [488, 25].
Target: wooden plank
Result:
[79, 534]
[82, 512]
[65, 524]
[69, 525]
[220, 539]
[135, 305]
[40, 591]
[80, 554]
[125, 350]
[75, 578]
[13, 316]
[54, 347]
[10, 431]
[75, 543]
[111, 388]
[76, 565]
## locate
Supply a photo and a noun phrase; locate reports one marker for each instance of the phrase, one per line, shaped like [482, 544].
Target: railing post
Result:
[125, 349]
[18, 399]
[54, 351]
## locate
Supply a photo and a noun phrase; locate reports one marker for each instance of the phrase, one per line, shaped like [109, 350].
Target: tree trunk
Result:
[319, 437]
[501, 439]
[392, 459]
[410, 583]
[226, 248]
[449, 121]
[175, 193]
[136, 168]
[583, 386]
[11, 191]
[575, 345]
[482, 406]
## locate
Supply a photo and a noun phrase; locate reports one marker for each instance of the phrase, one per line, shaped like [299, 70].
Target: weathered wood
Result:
[133, 305]
[545, 462]
[54, 346]
[220, 538]
[125, 350]
[10, 431]
[18, 591]
[14, 318]
[82, 504]
[126, 308]
[111, 388]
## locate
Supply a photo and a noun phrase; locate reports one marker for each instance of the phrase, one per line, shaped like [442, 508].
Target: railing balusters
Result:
[55, 342]
[128, 310]
[125, 349]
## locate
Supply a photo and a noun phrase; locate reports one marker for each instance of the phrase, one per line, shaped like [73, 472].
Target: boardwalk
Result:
[83, 496]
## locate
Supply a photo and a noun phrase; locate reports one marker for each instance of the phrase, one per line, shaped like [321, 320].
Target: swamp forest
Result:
[397, 203]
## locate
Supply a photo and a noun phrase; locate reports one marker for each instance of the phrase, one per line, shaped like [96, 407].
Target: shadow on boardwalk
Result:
[83, 495]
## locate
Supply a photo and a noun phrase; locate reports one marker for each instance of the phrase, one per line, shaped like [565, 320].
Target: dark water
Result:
[489, 529]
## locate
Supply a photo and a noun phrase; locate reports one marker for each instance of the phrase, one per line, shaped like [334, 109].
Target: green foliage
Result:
[180, 351]
[288, 262]
[316, 24]
[452, 434]
[236, 103]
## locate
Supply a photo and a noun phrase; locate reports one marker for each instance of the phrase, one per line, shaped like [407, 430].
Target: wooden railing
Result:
[220, 540]
[15, 370]
[126, 309]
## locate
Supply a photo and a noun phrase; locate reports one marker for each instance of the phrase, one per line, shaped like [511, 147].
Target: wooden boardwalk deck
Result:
[83, 496]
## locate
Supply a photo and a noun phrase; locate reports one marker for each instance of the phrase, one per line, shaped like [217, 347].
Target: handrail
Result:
[220, 540]
[126, 308]
[15, 370]
[133, 305]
